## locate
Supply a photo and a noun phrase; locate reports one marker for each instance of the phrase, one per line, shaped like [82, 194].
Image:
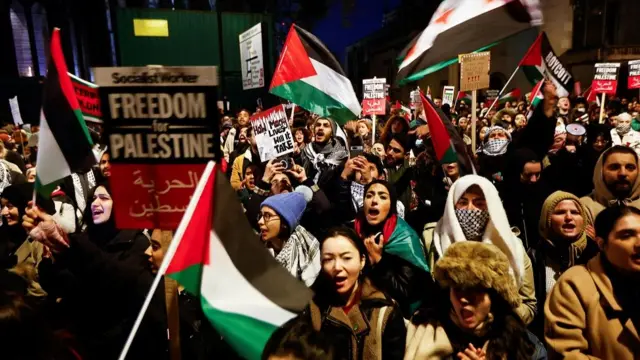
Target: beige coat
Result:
[601, 197]
[584, 319]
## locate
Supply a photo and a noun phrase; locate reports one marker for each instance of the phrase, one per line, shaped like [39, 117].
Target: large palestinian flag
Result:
[216, 256]
[464, 26]
[64, 143]
[310, 76]
[540, 62]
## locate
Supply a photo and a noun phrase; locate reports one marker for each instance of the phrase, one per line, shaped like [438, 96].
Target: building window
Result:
[41, 33]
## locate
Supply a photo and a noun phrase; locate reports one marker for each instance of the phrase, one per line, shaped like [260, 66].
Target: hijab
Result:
[551, 242]
[100, 234]
[497, 231]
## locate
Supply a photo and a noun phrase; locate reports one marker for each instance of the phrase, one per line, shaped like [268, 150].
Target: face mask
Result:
[581, 110]
[472, 222]
[496, 147]
[623, 128]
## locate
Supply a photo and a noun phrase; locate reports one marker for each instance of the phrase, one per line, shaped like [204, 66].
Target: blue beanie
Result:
[289, 206]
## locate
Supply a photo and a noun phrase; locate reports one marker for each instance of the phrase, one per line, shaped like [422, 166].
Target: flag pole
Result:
[503, 88]
[602, 108]
[474, 117]
[173, 247]
[455, 102]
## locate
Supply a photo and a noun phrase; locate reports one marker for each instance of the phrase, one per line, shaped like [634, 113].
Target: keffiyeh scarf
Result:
[5, 177]
[472, 222]
[331, 155]
[300, 255]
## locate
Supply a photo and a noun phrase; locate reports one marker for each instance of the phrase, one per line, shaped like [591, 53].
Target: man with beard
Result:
[616, 182]
[398, 170]
[325, 153]
[242, 162]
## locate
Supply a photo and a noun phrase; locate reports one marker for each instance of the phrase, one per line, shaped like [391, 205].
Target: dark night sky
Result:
[364, 20]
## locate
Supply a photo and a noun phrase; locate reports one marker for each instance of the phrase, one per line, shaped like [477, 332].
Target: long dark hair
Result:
[366, 228]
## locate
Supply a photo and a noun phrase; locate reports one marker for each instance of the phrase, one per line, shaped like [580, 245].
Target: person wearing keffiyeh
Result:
[493, 159]
[325, 153]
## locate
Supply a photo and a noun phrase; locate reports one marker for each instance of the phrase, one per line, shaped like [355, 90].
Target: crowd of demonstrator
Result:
[526, 247]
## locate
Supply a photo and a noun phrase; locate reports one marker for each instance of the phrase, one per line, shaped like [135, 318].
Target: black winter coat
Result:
[102, 288]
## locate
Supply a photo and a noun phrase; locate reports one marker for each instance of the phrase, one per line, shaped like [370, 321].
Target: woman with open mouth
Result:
[296, 249]
[592, 310]
[358, 319]
[396, 254]
[475, 316]
[103, 268]
[564, 243]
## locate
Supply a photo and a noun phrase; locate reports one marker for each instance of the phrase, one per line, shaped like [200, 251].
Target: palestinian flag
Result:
[310, 76]
[442, 144]
[536, 94]
[454, 28]
[216, 256]
[513, 95]
[64, 145]
[540, 61]
[465, 97]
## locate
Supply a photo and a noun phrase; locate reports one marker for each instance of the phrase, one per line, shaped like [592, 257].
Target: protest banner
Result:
[605, 80]
[272, 132]
[15, 111]
[162, 128]
[474, 75]
[88, 98]
[373, 98]
[634, 74]
[251, 58]
[448, 94]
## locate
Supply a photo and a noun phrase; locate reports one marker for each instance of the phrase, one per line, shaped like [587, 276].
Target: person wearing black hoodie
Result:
[102, 278]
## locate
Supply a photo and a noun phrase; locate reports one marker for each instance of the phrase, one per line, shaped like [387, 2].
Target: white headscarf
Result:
[498, 232]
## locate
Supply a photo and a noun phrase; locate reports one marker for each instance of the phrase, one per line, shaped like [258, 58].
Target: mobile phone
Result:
[378, 238]
[287, 163]
[356, 151]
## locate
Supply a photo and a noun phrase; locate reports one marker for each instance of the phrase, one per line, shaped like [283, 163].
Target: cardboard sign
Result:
[161, 126]
[634, 74]
[415, 99]
[88, 98]
[374, 98]
[474, 71]
[448, 94]
[15, 111]
[251, 60]
[273, 136]
[605, 79]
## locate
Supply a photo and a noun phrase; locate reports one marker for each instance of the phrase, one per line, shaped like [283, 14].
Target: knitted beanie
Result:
[471, 264]
[290, 207]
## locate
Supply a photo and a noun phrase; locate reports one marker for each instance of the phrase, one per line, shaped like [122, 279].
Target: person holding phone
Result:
[396, 254]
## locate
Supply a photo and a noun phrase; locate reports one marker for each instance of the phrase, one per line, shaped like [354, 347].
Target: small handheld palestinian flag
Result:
[64, 145]
[442, 144]
[308, 75]
[513, 95]
[536, 94]
[465, 97]
[216, 256]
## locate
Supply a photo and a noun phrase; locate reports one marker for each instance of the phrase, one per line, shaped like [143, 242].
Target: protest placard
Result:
[605, 80]
[414, 101]
[15, 111]
[162, 128]
[88, 98]
[474, 71]
[273, 136]
[373, 98]
[634, 74]
[448, 94]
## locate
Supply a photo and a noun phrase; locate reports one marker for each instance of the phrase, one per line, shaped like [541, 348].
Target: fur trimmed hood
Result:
[471, 264]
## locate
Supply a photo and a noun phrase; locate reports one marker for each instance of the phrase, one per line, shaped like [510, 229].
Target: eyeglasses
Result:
[267, 217]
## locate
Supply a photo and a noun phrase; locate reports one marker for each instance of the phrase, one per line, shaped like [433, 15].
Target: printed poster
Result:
[374, 96]
[272, 132]
[161, 127]
[605, 79]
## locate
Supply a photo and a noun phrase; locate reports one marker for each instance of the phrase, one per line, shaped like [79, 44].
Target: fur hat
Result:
[471, 264]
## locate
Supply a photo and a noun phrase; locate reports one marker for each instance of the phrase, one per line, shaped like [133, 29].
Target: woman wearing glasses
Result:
[293, 246]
